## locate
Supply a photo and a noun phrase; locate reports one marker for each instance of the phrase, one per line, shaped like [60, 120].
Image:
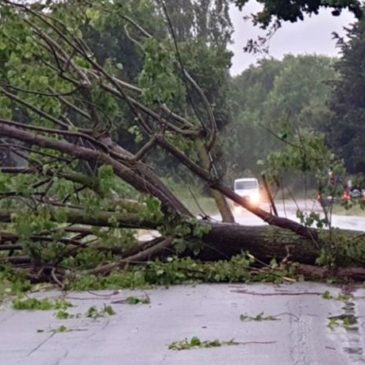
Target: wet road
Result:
[289, 208]
[295, 327]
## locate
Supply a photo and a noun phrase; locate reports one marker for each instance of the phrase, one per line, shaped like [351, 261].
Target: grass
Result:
[193, 197]
[355, 210]
[199, 204]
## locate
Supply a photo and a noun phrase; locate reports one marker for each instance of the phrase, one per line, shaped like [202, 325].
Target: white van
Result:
[248, 188]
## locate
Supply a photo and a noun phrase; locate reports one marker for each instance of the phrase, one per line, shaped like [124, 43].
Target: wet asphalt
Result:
[289, 324]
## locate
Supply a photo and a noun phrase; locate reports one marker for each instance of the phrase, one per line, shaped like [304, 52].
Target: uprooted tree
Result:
[65, 199]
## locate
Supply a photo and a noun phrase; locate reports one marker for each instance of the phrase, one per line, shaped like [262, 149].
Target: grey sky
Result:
[313, 35]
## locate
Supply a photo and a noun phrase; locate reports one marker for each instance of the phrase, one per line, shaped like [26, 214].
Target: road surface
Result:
[289, 208]
[295, 327]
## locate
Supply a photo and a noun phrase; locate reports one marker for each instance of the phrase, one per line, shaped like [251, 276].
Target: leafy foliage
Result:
[307, 154]
[296, 10]
[12, 283]
[158, 78]
[95, 313]
[184, 270]
[116, 280]
[25, 303]
[346, 321]
[340, 297]
[340, 249]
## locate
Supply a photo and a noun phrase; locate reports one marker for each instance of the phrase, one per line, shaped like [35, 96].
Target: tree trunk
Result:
[267, 242]
[264, 242]
[224, 240]
[218, 197]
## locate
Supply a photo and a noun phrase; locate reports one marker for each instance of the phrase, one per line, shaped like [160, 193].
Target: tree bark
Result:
[321, 273]
[267, 242]
[98, 219]
[264, 242]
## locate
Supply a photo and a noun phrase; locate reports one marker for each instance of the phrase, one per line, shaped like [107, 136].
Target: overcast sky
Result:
[313, 35]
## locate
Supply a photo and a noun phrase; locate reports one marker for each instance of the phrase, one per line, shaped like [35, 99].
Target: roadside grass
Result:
[24, 303]
[354, 210]
[205, 205]
[194, 199]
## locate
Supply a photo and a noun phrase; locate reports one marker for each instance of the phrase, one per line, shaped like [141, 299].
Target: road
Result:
[294, 328]
[290, 324]
[289, 208]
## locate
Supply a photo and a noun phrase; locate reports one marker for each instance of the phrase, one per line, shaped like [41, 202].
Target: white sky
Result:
[313, 35]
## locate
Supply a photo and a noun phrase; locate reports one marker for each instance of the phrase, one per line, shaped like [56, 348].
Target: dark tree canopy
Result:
[296, 9]
[347, 128]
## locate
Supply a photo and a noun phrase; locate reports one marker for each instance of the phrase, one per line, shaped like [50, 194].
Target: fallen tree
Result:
[67, 201]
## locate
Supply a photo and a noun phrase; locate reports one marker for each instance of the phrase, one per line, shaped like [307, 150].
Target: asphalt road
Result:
[293, 330]
[289, 208]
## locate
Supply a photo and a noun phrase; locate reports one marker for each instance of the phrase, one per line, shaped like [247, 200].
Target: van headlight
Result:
[254, 198]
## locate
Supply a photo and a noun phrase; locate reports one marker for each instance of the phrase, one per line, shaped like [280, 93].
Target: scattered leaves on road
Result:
[341, 296]
[346, 321]
[195, 342]
[94, 313]
[259, 317]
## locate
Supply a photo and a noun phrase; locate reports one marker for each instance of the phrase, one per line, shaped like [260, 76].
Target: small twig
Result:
[205, 215]
[56, 280]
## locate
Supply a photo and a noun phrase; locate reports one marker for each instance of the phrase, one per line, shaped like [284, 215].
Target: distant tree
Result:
[202, 30]
[272, 101]
[300, 91]
[346, 130]
[204, 20]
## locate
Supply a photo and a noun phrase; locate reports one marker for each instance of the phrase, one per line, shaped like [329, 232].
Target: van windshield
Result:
[243, 185]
